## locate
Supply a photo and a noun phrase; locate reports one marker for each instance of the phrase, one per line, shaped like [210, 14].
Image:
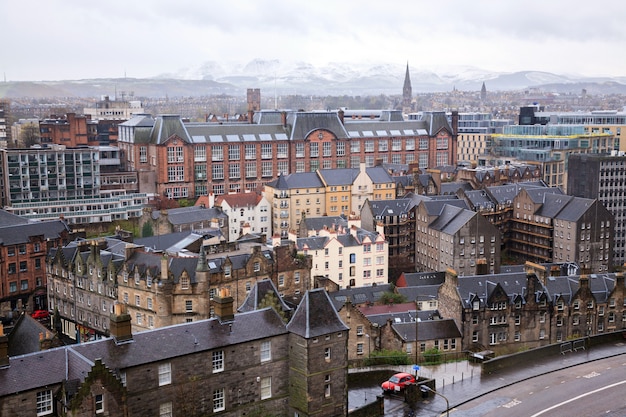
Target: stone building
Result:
[539, 306]
[160, 288]
[249, 363]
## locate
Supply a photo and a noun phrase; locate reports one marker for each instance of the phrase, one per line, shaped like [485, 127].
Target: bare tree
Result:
[29, 135]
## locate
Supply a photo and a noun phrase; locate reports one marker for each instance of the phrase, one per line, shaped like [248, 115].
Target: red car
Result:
[398, 382]
[40, 314]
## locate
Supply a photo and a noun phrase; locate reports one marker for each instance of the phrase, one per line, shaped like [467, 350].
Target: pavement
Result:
[459, 382]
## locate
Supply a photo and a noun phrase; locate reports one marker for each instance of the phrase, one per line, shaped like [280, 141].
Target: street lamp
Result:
[369, 346]
[426, 388]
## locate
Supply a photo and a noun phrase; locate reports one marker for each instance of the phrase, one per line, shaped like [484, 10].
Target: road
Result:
[590, 389]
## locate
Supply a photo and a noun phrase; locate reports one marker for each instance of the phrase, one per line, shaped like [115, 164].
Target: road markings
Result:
[591, 375]
[577, 398]
[512, 403]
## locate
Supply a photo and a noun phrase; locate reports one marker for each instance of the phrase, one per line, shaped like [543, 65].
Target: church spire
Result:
[407, 91]
[483, 92]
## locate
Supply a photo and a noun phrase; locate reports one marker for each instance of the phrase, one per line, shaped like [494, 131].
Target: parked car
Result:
[398, 382]
[40, 314]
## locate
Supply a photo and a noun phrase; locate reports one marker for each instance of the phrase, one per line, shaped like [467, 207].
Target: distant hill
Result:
[212, 78]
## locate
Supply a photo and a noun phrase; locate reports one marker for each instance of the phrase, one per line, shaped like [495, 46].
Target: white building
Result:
[348, 255]
[245, 210]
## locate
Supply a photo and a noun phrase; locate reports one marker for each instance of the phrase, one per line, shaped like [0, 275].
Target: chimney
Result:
[451, 278]
[619, 280]
[283, 118]
[211, 200]
[340, 114]
[164, 272]
[4, 348]
[224, 306]
[250, 116]
[482, 267]
[120, 326]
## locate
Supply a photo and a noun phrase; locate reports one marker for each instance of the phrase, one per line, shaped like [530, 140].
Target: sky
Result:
[81, 39]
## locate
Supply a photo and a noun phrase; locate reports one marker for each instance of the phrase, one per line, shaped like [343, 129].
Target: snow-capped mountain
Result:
[359, 78]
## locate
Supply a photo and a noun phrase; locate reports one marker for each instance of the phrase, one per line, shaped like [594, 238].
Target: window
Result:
[327, 353]
[359, 330]
[218, 361]
[296, 277]
[218, 399]
[165, 374]
[266, 351]
[165, 410]
[266, 387]
[184, 282]
[99, 402]
[359, 348]
[327, 390]
[188, 306]
[137, 300]
[44, 402]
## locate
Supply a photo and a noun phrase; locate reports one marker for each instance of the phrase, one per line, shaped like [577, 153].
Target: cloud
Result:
[73, 39]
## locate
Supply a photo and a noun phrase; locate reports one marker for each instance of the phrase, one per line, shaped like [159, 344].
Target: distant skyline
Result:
[76, 39]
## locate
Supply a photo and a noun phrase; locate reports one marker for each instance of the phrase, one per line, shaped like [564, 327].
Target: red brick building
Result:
[23, 249]
[181, 160]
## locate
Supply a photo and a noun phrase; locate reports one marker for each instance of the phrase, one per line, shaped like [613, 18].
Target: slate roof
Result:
[162, 242]
[339, 176]
[385, 208]
[358, 295]
[24, 338]
[452, 219]
[318, 223]
[405, 313]
[296, 181]
[21, 233]
[480, 199]
[166, 126]
[315, 316]
[378, 175]
[49, 367]
[420, 293]
[565, 207]
[436, 207]
[453, 187]
[257, 294]
[10, 219]
[482, 286]
[435, 121]
[194, 214]
[303, 123]
[427, 330]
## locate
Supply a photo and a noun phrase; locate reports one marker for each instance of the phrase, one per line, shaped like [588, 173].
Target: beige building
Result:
[292, 198]
[347, 255]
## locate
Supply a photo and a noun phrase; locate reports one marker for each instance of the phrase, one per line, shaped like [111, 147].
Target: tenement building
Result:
[180, 160]
[519, 310]
[250, 363]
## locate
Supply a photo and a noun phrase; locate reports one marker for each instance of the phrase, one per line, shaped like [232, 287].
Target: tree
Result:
[29, 135]
[147, 230]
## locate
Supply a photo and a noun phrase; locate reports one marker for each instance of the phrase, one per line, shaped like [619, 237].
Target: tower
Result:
[483, 92]
[407, 91]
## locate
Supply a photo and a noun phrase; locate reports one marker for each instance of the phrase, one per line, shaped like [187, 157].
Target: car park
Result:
[398, 382]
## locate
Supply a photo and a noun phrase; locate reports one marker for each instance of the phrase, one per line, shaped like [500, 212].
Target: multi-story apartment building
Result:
[246, 211]
[547, 226]
[548, 147]
[295, 368]
[194, 159]
[448, 235]
[474, 134]
[338, 189]
[5, 130]
[56, 181]
[292, 198]
[397, 219]
[520, 310]
[596, 121]
[160, 288]
[603, 177]
[372, 184]
[23, 249]
[347, 255]
[107, 109]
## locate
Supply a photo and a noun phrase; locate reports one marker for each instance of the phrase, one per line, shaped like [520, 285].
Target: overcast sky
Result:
[76, 39]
